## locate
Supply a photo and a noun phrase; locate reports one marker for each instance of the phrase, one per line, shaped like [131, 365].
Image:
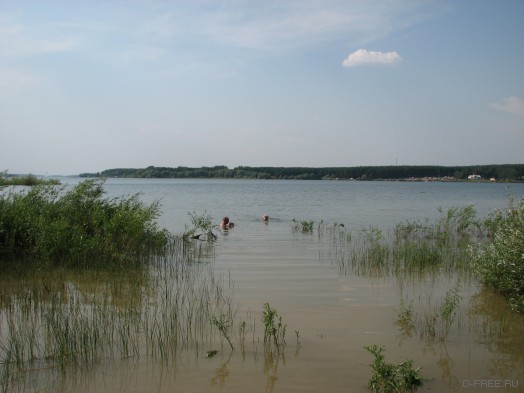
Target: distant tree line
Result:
[507, 172]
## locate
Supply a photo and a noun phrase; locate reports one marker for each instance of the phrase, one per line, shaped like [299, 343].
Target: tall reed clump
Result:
[412, 247]
[500, 261]
[59, 322]
[78, 227]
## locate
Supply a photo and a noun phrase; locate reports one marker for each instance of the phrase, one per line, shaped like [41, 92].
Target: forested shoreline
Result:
[505, 172]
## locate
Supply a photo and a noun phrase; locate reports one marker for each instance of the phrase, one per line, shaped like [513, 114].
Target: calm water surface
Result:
[334, 314]
[356, 204]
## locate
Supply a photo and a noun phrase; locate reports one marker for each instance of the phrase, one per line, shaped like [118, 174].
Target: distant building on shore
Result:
[474, 177]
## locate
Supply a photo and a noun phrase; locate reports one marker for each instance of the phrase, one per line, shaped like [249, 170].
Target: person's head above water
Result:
[265, 217]
[225, 224]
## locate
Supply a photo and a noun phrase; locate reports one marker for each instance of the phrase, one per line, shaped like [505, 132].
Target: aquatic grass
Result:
[274, 329]
[305, 226]
[454, 223]
[68, 320]
[406, 318]
[410, 248]
[201, 228]
[434, 325]
[223, 324]
[390, 377]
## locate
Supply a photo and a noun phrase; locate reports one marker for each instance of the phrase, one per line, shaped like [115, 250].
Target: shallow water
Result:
[330, 314]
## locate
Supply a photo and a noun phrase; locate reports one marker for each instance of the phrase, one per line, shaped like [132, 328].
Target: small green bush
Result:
[392, 378]
[500, 262]
[78, 227]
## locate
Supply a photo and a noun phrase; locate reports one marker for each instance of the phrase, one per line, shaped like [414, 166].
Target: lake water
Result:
[356, 204]
[330, 315]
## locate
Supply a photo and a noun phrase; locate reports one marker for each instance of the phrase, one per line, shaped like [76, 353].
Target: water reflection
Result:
[342, 289]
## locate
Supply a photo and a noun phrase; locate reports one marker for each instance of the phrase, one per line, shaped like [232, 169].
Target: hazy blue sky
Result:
[92, 85]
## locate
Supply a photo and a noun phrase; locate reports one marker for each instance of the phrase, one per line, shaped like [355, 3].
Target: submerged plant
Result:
[274, 330]
[304, 225]
[202, 226]
[406, 318]
[436, 325]
[223, 324]
[392, 378]
[199, 238]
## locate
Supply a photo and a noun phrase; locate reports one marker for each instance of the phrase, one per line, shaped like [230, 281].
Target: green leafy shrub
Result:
[392, 378]
[500, 262]
[78, 227]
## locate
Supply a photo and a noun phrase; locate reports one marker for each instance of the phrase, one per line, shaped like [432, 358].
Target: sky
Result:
[93, 85]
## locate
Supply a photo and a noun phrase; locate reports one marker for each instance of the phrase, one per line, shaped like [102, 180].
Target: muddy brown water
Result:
[330, 315]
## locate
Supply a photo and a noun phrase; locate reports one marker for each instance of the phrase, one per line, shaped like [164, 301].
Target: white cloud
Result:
[513, 105]
[363, 56]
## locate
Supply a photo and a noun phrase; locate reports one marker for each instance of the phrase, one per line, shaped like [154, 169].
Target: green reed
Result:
[410, 248]
[66, 320]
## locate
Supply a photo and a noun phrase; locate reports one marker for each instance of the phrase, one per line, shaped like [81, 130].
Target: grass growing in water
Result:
[274, 329]
[304, 225]
[411, 248]
[434, 325]
[64, 321]
[392, 378]
[202, 225]
[223, 324]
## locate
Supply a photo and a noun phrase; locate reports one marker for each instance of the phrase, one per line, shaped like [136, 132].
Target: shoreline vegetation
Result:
[502, 172]
[77, 228]
[25, 180]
